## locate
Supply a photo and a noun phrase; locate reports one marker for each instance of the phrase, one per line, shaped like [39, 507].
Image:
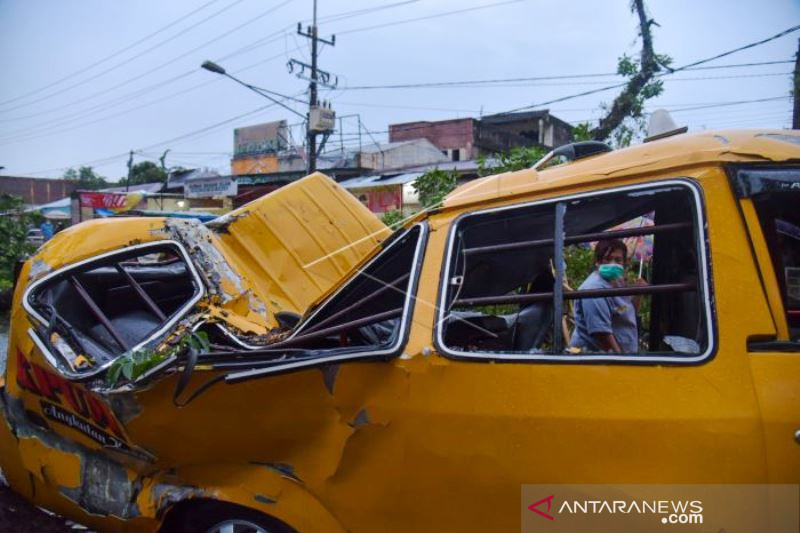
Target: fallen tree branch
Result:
[626, 103]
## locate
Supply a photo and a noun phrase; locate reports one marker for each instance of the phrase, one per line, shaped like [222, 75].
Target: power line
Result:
[330, 18]
[428, 17]
[152, 70]
[741, 48]
[194, 133]
[517, 82]
[45, 129]
[726, 104]
[490, 82]
[711, 105]
[111, 56]
[127, 97]
[707, 105]
[671, 71]
[125, 62]
[739, 65]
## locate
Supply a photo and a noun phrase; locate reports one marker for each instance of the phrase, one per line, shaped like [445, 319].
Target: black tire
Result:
[211, 516]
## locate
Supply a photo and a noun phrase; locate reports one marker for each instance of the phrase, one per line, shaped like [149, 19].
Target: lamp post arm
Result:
[265, 95]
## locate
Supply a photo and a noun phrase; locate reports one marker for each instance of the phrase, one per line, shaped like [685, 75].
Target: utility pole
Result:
[130, 168]
[163, 160]
[316, 77]
[312, 95]
[796, 113]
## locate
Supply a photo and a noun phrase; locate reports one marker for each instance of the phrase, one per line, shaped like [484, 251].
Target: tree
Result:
[434, 185]
[147, 172]
[393, 218]
[14, 224]
[85, 178]
[517, 159]
[624, 118]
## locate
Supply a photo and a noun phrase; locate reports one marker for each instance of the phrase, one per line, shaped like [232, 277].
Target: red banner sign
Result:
[381, 199]
[103, 200]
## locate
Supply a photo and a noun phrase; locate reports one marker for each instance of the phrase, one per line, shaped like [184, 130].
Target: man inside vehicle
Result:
[606, 324]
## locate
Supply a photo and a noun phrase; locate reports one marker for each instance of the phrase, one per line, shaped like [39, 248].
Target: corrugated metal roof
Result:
[461, 166]
[363, 182]
[143, 187]
[177, 179]
[385, 147]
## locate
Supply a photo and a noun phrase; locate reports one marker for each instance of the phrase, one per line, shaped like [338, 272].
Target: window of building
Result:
[521, 282]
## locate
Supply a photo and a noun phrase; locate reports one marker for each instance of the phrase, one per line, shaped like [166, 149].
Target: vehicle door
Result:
[770, 201]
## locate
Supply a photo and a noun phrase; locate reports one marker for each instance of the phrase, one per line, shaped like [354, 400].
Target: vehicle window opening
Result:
[365, 316]
[515, 276]
[775, 194]
[102, 309]
[367, 311]
[779, 216]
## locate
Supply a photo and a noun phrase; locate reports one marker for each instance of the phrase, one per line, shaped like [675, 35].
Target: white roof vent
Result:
[661, 125]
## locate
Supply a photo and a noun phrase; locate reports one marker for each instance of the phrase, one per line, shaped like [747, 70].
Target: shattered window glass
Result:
[368, 311]
[99, 310]
[502, 295]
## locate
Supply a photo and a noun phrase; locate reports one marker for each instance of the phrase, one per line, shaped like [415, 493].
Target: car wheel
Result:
[236, 525]
[210, 516]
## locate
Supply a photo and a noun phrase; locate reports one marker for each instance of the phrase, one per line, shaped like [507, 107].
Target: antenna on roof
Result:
[661, 125]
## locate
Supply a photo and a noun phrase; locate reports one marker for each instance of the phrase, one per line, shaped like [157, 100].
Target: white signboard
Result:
[207, 187]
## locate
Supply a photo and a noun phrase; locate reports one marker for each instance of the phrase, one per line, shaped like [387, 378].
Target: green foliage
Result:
[86, 178]
[14, 224]
[434, 185]
[517, 159]
[624, 134]
[133, 364]
[582, 132]
[393, 218]
[147, 172]
[580, 263]
[634, 125]
[627, 66]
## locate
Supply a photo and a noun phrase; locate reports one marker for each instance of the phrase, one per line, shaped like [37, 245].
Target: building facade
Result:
[468, 138]
[36, 191]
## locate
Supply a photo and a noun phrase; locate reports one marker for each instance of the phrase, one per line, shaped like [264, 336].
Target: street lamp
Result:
[216, 69]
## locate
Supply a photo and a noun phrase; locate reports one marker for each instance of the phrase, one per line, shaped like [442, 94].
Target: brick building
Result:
[467, 138]
[36, 191]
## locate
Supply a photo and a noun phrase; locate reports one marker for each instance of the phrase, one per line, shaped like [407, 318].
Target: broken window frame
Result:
[310, 357]
[54, 357]
[558, 295]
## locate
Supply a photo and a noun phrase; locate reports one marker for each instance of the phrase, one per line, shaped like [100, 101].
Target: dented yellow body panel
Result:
[294, 246]
[418, 441]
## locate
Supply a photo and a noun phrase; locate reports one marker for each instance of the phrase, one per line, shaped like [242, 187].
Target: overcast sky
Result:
[85, 81]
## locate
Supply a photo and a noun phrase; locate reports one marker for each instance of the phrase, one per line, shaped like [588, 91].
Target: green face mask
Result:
[611, 271]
